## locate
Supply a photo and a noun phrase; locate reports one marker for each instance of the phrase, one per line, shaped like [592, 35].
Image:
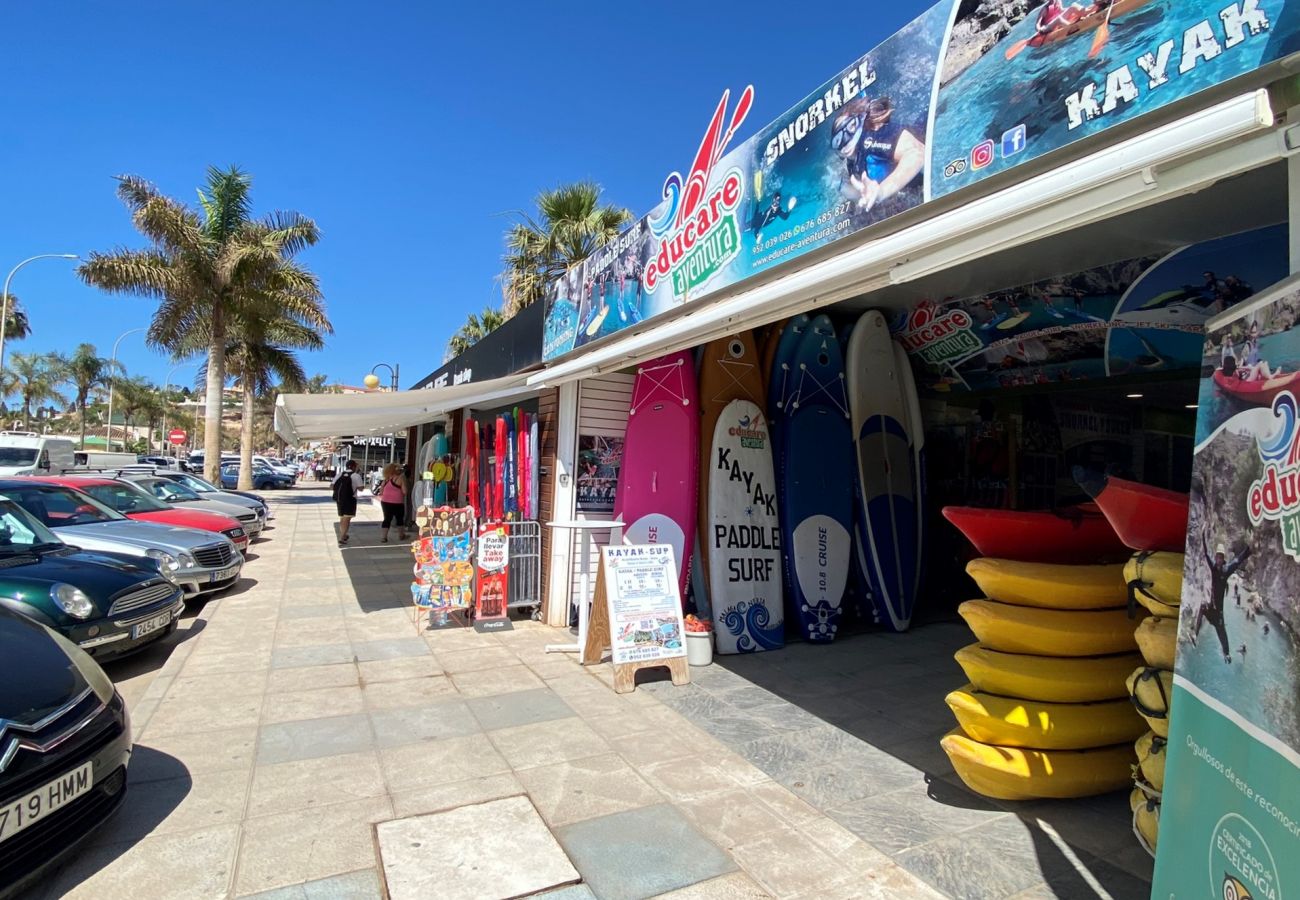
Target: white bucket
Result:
[699, 648]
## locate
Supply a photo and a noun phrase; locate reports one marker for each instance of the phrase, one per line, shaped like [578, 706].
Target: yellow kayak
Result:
[1010, 773]
[1151, 759]
[1049, 632]
[1083, 679]
[1050, 586]
[1151, 691]
[1157, 638]
[1156, 579]
[1043, 726]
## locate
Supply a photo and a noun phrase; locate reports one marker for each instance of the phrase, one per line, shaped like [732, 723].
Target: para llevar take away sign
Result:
[645, 605]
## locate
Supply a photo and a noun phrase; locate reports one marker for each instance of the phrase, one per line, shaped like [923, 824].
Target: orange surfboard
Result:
[730, 369]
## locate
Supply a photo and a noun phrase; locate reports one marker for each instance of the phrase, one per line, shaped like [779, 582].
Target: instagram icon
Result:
[981, 155]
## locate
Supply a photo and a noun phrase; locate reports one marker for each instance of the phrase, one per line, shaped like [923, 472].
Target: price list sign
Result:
[645, 610]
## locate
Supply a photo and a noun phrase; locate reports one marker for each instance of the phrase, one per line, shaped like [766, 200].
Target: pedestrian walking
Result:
[345, 489]
[392, 499]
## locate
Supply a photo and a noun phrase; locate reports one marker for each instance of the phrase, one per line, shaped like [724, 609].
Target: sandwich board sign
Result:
[637, 613]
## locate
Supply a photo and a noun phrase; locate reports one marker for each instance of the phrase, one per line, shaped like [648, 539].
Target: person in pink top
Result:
[392, 497]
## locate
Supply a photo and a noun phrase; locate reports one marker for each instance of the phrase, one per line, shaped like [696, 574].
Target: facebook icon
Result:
[1013, 141]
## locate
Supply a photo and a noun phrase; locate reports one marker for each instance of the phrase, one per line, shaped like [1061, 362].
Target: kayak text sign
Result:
[1229, 823]
[970, 92]
[1137, 316]
[645, 608]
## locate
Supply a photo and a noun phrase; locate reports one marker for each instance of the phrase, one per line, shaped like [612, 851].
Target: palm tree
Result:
[206, 267]
[17, 327]
[87, 371]
[137, 398]
[260, 351]
[35, 377]
[570, 225]
[476, 327]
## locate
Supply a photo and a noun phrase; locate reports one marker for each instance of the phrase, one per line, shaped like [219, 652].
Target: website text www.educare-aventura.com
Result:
[815, 238]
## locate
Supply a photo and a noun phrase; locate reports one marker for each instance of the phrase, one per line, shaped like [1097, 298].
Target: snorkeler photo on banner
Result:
[1229, 817]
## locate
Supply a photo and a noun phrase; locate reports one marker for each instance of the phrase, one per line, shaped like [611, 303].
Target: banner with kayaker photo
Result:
[1140, 316]
[1229, 815]
[1020, 80]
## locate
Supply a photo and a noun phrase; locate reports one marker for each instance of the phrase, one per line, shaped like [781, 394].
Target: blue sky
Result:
[407, 133]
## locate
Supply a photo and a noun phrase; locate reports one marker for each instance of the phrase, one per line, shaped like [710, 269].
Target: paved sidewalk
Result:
[307, 708]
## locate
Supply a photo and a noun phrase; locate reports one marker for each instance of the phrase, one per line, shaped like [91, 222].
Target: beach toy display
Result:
[1045, 714]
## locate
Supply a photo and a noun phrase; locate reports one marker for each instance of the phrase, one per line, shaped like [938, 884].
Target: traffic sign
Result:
[177, 436]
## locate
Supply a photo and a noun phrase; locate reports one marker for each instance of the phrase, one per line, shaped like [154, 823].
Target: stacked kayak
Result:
[1045, 714]
[1155, 580]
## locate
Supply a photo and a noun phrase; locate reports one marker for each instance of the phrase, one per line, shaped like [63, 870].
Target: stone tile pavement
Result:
[307, 709]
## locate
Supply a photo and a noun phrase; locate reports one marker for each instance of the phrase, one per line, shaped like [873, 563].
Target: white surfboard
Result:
[744, 533]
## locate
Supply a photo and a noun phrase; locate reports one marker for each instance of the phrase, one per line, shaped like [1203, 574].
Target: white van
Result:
[28, 453]
[103, 459]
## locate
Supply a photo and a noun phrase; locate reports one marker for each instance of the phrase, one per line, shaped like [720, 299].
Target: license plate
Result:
[223, 574]
[44, 801]
[149, 626]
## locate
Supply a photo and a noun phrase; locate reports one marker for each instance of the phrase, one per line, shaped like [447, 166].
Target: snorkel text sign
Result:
[1275, 495]
[1201, 43]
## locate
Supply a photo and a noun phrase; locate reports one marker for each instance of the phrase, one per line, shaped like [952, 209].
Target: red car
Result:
[136, 503]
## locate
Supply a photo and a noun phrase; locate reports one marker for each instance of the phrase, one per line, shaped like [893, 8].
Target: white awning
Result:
[304, 417]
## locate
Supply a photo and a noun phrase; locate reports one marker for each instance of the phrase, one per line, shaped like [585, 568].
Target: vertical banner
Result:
[599, 459]
[1230, 814]
[492, 588]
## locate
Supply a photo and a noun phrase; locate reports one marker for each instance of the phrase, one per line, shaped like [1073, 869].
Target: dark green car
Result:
[107, 605]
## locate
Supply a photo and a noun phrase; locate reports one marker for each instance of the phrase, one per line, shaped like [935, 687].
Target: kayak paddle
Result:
[1103, 34]
[1015, 49]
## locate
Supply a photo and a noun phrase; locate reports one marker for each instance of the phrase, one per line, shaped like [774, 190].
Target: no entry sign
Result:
[177, 436]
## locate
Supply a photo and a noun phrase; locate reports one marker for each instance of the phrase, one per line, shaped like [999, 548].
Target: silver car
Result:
[199, 561]
[177, 494]
[208, 490]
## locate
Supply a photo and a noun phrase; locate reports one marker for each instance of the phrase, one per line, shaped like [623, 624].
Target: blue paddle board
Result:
[816, 508]
[886, 430]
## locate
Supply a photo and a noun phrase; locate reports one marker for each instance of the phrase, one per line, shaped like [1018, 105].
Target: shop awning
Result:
[304, 417]
[1174, 160]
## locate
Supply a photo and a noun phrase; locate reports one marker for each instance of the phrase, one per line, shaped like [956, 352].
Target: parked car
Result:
[105, 604]
[277, 465]
[201, 486]
[65, 742]
[198, 561]
[135, 502]
[168, 463]
[264, 478]
[175, 494]
[102, 459]
[35, 454]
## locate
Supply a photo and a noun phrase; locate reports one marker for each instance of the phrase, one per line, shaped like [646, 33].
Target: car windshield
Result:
[17, 456]
[197, 485]
[19, 532]
[57, 507]
[125, 498]
[166, 490]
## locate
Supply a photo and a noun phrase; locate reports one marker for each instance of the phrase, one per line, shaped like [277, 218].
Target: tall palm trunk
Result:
[246, 442]
[83, 424]
[216, 384]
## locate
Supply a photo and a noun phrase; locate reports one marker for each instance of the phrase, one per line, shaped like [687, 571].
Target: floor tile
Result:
[550, 742]
[736, 886]
[363, 885]
[187, 717]
[179, 804]
[398, 669]
[617, 861]
[309, 783]
[309, 678]
[389, 648]
[188, 864]
[498, 849]
[518, 708]
[324, 654]
[383, 695]
[412, 801]
[993, 861]
[421, 763]
[173, 755]
[732, 817]
[311, 738]
[914, 815]
[292, 706]
[483, 657]
[444, 719]
[503, 680]
[586, 788]
[785, 862]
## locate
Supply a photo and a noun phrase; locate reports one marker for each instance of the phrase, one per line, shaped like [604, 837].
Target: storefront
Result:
[1044, 262]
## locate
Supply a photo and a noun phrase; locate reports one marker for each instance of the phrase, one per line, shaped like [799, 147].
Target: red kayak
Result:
[1073, 535]
[1259, 393]
[1144, 517]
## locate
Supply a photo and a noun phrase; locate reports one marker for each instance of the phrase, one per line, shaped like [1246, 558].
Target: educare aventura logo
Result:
[1275, 495]
[698, 233]
[938, 336]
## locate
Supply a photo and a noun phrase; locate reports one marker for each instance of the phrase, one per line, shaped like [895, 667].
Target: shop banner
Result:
[1139, 316]
[968, 89]
[599, 459]
[1230, 813]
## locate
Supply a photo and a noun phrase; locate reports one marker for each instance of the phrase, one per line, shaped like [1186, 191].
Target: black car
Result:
[65, 741]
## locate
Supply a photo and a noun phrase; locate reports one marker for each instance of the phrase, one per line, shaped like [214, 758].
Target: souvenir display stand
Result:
[444, 571]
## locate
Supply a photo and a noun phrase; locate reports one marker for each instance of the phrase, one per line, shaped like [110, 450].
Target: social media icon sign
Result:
[981, 155]
[1013, 141]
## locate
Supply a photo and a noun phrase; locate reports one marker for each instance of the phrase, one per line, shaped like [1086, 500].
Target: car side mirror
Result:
[43, 464]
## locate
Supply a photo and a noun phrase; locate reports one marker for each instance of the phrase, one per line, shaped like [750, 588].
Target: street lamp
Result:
[112, 382]
[371, 382]
[4, 304]
[167, 405]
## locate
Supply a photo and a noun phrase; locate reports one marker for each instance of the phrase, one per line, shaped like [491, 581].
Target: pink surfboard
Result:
[659, 476]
